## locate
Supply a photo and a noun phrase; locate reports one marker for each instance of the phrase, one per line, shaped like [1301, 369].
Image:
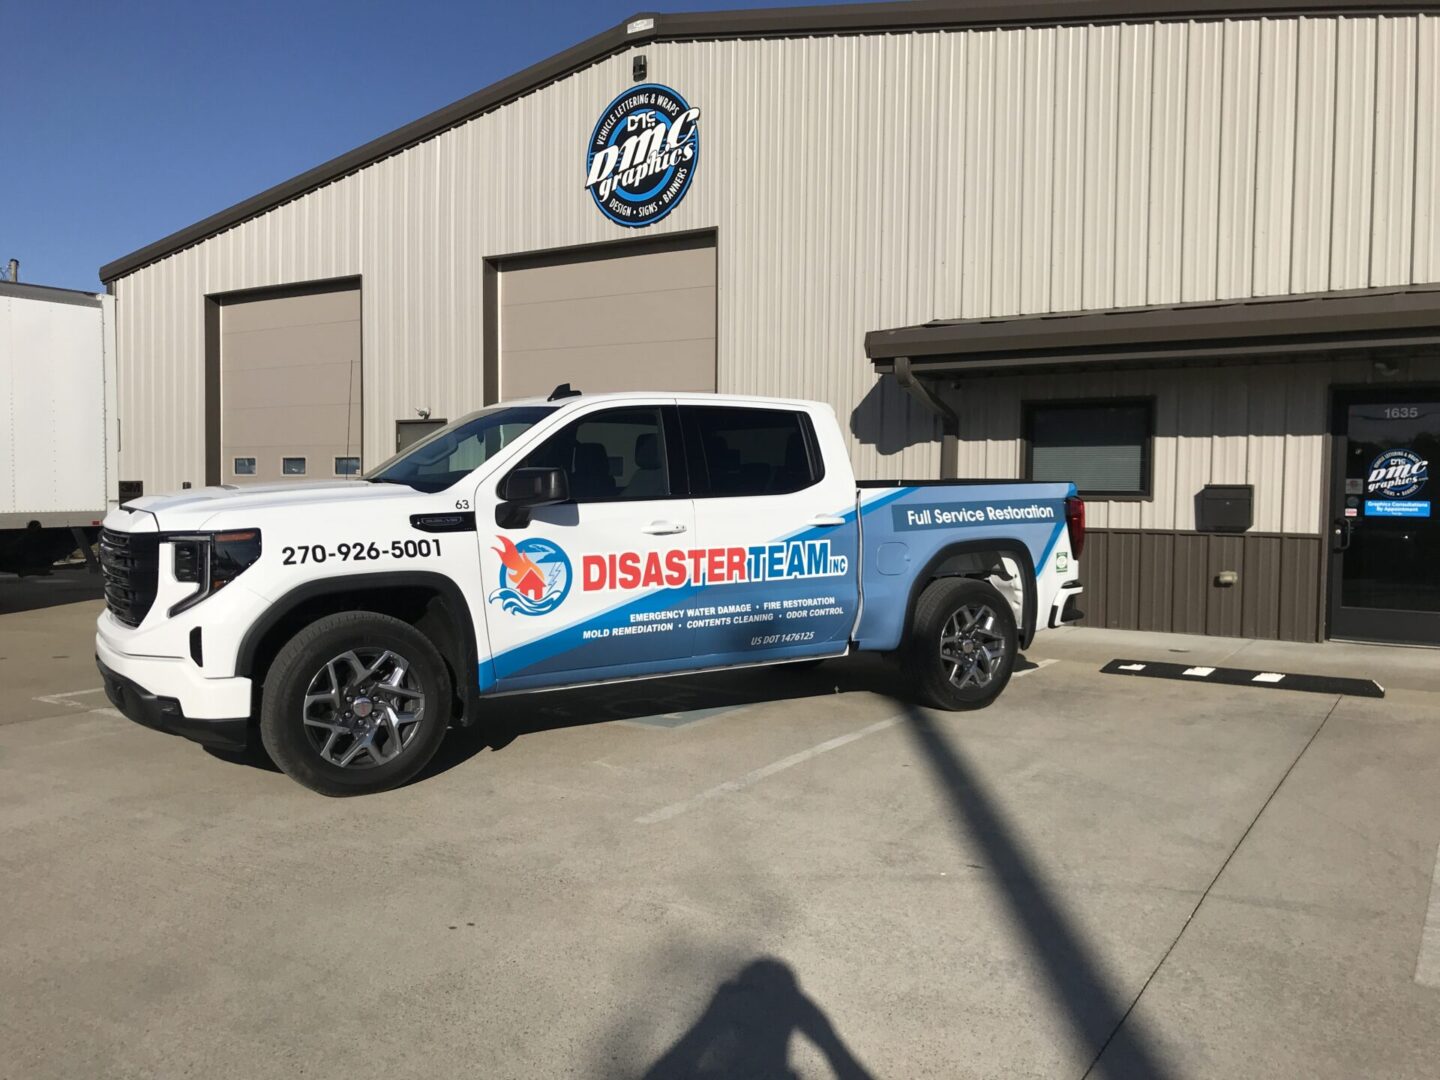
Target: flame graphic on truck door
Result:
[534, 576]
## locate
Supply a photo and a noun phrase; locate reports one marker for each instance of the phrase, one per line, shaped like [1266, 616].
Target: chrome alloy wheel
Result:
[973, 645]
[363, 708]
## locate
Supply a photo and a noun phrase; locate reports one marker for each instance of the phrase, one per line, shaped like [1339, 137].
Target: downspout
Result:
[921, 390]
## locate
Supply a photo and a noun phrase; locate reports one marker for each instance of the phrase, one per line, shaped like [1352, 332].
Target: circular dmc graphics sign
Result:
[642, 155]
[1397, 474]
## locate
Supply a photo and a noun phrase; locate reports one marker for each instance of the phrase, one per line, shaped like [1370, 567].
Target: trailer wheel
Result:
[355, 703]
[962, 644]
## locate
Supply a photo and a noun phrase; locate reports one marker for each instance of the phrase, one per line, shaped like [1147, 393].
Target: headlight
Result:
[211, 561]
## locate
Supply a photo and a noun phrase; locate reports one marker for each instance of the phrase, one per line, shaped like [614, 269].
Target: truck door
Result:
[778, 528]
[590, 589]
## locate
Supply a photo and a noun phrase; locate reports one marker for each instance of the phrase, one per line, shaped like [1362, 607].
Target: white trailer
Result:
[58, 428]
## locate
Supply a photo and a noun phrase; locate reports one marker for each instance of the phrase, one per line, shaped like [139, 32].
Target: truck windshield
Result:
[447, 456]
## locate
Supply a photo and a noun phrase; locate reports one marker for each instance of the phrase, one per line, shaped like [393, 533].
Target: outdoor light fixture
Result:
[638, 68]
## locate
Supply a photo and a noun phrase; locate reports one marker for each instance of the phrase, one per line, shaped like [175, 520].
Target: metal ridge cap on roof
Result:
[1257, 317]
[915, 15]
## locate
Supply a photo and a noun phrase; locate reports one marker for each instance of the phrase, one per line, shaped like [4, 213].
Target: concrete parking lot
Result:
[735, 876]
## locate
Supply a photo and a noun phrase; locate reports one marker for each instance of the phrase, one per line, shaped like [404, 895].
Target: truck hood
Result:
[193, 509]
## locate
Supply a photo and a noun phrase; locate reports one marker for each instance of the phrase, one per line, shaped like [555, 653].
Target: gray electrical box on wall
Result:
[1225, 508]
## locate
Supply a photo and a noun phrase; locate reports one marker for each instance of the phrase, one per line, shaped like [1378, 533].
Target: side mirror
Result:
[525, 489]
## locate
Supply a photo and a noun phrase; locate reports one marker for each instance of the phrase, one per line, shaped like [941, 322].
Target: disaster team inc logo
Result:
[1397, 474]
[642, 155]
[535, 576]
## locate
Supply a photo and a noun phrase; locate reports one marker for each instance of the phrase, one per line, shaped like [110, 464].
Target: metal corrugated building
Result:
[869, 167]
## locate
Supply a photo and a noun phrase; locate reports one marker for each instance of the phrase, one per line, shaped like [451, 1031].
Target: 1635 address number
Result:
[360, 551]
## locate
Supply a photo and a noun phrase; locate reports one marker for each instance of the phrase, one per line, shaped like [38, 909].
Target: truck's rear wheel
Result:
[962, 644]
[355, 703]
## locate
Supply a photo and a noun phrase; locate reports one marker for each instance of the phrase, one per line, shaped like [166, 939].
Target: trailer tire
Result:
[355, 703]
[962, 644]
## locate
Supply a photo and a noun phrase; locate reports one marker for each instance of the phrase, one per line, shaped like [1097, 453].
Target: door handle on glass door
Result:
[825, 521]
[1344, 528]
[664, 528]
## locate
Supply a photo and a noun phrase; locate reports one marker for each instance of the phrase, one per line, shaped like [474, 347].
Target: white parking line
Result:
[64, 699]
[1038, 665]
[665, 813]
[1427, 968]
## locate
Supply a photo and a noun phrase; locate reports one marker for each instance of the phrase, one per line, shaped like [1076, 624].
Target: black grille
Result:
[131, 563]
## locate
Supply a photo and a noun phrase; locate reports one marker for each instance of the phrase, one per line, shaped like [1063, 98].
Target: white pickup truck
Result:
[559, 543]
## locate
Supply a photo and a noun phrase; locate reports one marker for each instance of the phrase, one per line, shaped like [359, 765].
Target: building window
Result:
[1103, 447]
[347, 466]
[244, 466]
[292, 466]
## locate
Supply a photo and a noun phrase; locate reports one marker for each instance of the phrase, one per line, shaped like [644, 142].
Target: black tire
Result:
[976, 673]
[293, 729]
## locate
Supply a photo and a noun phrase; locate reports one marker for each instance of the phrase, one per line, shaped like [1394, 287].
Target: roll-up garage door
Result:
[290, 387]
[623, 317]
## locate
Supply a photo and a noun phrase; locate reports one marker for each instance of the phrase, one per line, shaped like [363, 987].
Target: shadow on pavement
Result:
[1093, 1008]
[505, 719]
[66, 585]
[745, 1031]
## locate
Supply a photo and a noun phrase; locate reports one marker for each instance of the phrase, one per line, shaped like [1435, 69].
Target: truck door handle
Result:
[825, 521]
[663, 528]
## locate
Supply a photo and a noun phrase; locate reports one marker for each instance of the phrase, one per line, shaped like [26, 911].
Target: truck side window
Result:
[615, 454]
[741, 451]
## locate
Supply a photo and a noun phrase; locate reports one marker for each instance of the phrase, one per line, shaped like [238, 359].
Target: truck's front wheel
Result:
[962, 644]
[355, 703]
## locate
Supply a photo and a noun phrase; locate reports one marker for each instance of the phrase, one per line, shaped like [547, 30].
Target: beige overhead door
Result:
[625, 318]
[290, 387]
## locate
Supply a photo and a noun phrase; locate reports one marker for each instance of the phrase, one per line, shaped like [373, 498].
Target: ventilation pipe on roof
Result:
[14, 270]
[924, 391]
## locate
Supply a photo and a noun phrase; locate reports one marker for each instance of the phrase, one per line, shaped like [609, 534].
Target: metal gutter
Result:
[651, 27]
[1257, 327]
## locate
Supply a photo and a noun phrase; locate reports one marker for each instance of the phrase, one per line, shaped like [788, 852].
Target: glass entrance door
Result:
[1385, 520]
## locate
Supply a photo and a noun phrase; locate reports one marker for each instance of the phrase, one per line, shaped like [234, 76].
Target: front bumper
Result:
[165, 714]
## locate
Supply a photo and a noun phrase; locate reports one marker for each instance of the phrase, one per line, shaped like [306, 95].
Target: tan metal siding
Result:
[1263, 425]
[1355, 101]
[862, 182]
[1392, 230]
[1314, 156]
[1275, 127]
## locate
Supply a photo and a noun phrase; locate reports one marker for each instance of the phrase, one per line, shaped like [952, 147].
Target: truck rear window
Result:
[738, 452]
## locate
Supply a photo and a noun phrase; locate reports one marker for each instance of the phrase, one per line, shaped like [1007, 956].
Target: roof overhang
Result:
[652, 27]
[1255, 330]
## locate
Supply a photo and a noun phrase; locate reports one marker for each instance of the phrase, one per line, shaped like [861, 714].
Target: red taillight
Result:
[1075, 523]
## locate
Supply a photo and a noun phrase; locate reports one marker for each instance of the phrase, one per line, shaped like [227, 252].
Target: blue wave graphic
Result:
[517, 603]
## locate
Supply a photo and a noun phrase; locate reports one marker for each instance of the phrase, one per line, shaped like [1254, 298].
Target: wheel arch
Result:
[430, 602]
[968, 558]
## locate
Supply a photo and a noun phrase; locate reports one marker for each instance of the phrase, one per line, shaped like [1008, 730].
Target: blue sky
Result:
[124, 120]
